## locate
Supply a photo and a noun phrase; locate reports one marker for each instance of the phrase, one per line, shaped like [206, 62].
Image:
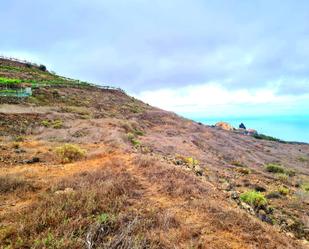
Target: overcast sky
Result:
[198, 57]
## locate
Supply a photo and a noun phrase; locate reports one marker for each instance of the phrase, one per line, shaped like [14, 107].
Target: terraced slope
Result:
[83, 167]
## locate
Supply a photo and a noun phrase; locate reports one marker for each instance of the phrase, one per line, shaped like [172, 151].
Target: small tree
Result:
[42, 68]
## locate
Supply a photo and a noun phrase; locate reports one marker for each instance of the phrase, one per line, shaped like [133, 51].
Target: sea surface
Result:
[288, 128]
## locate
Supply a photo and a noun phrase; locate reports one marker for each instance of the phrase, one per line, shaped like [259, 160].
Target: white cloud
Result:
[213, 100]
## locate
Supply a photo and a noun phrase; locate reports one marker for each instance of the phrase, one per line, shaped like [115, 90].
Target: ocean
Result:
[288, 128]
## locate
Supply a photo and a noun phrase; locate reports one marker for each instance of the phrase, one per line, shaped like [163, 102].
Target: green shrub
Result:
[268, 138]
[19, 138]
[275, 168]
[105, 218]
[191, 161]
[132, 138]
[139, 132]
[283, 190]
[43, 68]
[282, 177]
[305, 187]
[56, 124]
[70, 153]
[253, 198]
[303, 159]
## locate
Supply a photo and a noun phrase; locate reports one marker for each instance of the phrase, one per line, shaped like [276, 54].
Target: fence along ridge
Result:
[63, 77]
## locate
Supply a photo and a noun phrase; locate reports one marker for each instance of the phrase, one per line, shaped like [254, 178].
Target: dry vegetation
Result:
[90, 168]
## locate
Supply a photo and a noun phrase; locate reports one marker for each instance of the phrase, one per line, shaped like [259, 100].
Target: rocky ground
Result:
[140, 177]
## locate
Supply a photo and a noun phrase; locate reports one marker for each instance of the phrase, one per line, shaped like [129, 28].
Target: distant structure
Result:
[242, 126]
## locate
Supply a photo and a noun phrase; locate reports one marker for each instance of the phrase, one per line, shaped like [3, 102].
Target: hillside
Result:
[85, 167]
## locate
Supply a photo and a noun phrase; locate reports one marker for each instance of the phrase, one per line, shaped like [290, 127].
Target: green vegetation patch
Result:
[268, 138]
[279, 169]
[8, 81]
[69, 153]
[56, 124]
[305, 186]
[254, 198]
[303, 159]
[283, 190]
[133, 139]
[275, 168]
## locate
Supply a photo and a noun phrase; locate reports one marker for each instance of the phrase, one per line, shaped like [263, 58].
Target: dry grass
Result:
[14, 183]
[63, 220]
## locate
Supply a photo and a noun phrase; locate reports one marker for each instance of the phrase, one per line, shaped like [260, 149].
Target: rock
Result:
[178, 162]
[65, 191]
[19, 151]
[227, 186]
[242, 126]
[264, 217]
[247, 207]
[234, 195]
[198, 170]
[224, 126]
[32, 160]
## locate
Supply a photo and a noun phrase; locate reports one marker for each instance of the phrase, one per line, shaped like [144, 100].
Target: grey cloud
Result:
[141, 45]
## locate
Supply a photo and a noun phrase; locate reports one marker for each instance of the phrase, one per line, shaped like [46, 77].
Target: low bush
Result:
[275, 168]
[283, 190]
[132, 138]
[19, 138]
[268, 138]
[303, 159]
[191, 161]
[43, 68]
[244, 171]
[238, 164]
[305, 187]
[253, 198]
[282, 177]
[70, 153]
[56, 124]
[12, 183]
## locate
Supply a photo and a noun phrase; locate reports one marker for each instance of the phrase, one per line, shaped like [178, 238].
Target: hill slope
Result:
[83, 167]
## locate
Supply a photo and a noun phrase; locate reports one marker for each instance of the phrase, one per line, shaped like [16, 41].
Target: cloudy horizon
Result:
[195, 58]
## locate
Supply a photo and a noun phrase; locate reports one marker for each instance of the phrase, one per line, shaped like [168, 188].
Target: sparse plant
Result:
[70, 153]
[303, 159]
[105, 218]
[283, 190]
[238, 164]
[191, 161]
[254, 198]
[305, 187]
[56, 124]
[11, 183]
[244, 171]
[132, 138]
[19, 138]
[16, 145]
[45, 123]
[275, 168]
[282, 177]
